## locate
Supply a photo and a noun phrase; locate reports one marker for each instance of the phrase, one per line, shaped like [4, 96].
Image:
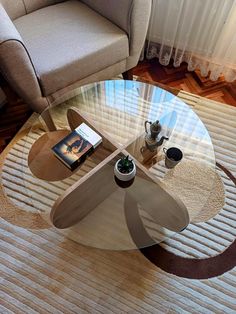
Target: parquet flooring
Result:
[182, 79]
[13, 116]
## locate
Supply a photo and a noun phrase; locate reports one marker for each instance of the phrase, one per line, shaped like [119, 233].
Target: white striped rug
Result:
[219, 231]
[44, 272]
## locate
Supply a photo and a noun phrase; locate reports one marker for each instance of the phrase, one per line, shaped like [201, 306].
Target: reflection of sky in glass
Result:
[168, 122]
[179, 123]
[157, 108]
[172, 112]
[130, 95]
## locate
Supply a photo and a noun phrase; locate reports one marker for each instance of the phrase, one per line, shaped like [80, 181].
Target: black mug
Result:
[173, 156]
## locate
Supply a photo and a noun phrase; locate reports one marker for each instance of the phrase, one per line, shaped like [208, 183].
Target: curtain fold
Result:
[199, 32]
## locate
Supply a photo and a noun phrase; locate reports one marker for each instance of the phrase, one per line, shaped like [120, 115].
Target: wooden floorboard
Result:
[182, 79]
[13, 116]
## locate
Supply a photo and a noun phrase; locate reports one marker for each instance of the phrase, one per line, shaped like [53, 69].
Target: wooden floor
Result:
[182, 79]
[171, 78]
[12, 117]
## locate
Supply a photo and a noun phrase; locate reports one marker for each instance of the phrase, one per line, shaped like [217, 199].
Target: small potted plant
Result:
[125, 169]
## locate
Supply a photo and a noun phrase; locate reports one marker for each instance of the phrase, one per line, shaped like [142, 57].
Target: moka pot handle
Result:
[145, 124]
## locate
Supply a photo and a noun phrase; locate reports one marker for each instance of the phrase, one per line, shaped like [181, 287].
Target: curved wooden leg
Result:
[48, 120]
[128, 75]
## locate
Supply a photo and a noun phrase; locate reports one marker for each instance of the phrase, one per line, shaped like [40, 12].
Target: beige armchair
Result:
[49, 47]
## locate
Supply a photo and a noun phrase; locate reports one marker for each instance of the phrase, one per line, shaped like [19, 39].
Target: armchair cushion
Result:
[69, 41]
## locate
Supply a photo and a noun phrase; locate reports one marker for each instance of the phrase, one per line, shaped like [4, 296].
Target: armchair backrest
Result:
[17, 8]
[14, 8]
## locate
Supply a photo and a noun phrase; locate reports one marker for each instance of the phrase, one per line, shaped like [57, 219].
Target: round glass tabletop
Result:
[86, 204]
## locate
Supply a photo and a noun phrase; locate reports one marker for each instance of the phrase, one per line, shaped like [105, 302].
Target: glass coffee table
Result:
[87, 205]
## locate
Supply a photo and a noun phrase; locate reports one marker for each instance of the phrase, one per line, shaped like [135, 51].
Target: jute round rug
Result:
[196, 185]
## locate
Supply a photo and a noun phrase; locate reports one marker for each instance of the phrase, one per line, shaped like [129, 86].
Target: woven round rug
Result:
[199, 187]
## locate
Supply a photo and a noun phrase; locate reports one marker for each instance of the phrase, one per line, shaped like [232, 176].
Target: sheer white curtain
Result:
[199, 32]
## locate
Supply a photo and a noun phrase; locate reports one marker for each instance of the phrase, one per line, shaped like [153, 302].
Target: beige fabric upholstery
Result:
[131, 16]
[74, 42]
[138, 27]
[7, 29]
[13, 55]
[14, 8]
[33, 5]
[119, 12]
[67, 44]
[17, 8]
[68, 92]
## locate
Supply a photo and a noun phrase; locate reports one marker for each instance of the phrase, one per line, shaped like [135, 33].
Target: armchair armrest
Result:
[15, 63]
[130, 15]
[139, 21]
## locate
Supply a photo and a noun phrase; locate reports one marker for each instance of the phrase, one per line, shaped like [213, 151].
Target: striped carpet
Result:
[219, 231]
[44, 272]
